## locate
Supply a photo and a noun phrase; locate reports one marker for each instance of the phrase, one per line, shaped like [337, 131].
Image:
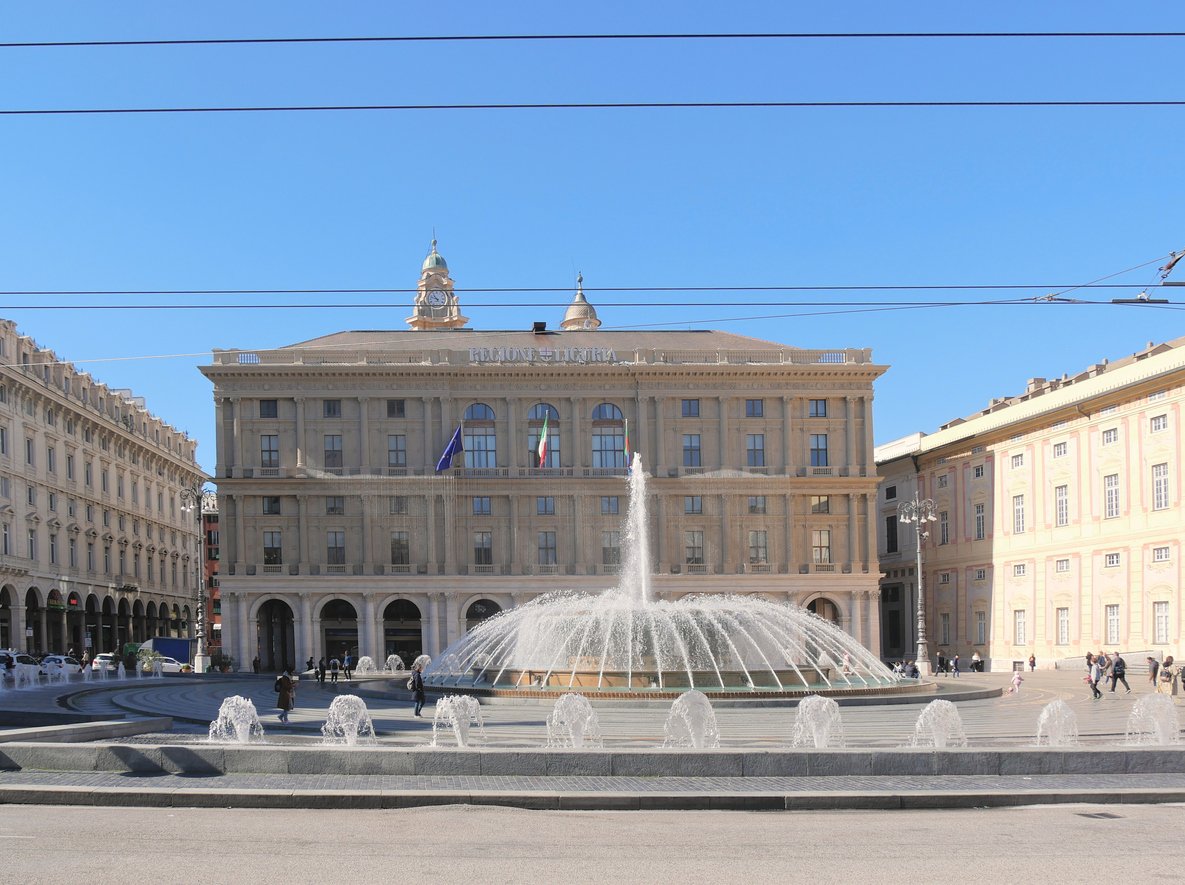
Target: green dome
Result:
[434, 259]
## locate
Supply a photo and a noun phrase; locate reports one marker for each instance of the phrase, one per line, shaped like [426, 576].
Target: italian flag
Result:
[543, 442]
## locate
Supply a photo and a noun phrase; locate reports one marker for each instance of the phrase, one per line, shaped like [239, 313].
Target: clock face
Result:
[437, 298]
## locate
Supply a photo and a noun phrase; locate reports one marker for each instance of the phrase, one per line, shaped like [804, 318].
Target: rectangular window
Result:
[1111, 560]
[483, 548]
[1063, 626]
[400, 548]
[692, 454]
[396, 408]
[547, 552]
[335, 505]
[1110, 436]
[821, 546]
[1111, 495]
[820, 504]
[981, 574]
[3, 439]
[978, 471]
[944, 632]
[1112, 625]
[1061, 565]
[273, 548]
[754, 408]
[268, 408]
[693, 548]
[332, 408]
[943, 527]
[72, 554]
[611, 548]
[333, 451]
[1061, 505]
[6, 540]
[397, 505]
[819, 450]
[396, 450]
[1160, 486]
[1159, 423]
[53, 502]
[1059, 450]
[31, 496]
[1160, 623]
[980, 522]
[1019, 570]
[1160, 554]
[1019, 633]
[28, 451]
[481, 505]
[609, 505]
[693, 504]
[944, 578]
[891, 534]
[51, 463]
[690, 408]
[1018, 514]
[757, 504]
[335, 547]
[545, 505]
[1157, 395]
[755, 449]
[817, 408]
[758, 547]
[87, 473]
[942, 480]
[271, 505]
[1018, 460]
[32, 548]
[890, 492]
[981, 628]
[269, 451]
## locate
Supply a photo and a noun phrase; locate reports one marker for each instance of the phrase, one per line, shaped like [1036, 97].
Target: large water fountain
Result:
[625, 641]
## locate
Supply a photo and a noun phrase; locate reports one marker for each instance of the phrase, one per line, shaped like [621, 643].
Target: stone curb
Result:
[204, 797]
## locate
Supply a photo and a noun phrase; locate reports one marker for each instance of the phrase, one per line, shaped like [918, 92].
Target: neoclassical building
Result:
[96, 548]
[1058, 520]
[338, 532]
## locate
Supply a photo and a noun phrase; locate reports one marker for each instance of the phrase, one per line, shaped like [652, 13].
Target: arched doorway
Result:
[110, 640]
[480, 611]
[277, 639]
[339, 629]
[75, 624]
[124, 617]
[55, 622]
[402, 633]
[139, 624]
[153, 627]
[825, 609]
[93, 636]
[7, 616]
[34, 638]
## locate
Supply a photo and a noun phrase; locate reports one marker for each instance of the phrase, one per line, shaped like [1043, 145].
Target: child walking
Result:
[1017, 679]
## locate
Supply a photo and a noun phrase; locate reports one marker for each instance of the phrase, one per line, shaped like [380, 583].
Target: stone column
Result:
[727, 565]
[869, 532]
[222, 453]
[450, 543]
[305, 632]
[230, 625]
[367, 629]
[788, 531]
[868, 466]
[248, 635]
[856, 626]
[852, 552]
[722, 461]
[787, 448]
[850, 433]
[580, 567]
[874, 622]
[513, 456]
[432, 641]
[578, 459]
[431, 558]
[41, 639]
[426, 424]
[451, 618]
[301, 461]
[303, 547]
[661, 553]
[367, 540]
[364, 429]
[240, 518]
[236, 446]
[660, 436]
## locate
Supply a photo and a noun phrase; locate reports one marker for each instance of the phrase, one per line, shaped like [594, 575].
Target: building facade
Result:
[339, 534]
[95, 549]
[1058, 519]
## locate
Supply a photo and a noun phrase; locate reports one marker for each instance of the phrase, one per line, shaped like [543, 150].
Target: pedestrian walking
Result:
[1032, 663]
[1017, 679]
[321, 671]
[286, 688]
[942, 663]
[1165, 678]
[1119, 673]
[976, 662]
[309, 664]
[1153, 667]
[1096, 673]
[416, 684]
[348, 665]
[334, 666]
[954, 666]
[255, 664]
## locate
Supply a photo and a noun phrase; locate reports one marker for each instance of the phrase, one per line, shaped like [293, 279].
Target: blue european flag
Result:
[454, 447]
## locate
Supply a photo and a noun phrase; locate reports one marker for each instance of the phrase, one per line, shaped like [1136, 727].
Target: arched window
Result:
[480, 439]
[608, 437]
[480, 611]
[540, 414]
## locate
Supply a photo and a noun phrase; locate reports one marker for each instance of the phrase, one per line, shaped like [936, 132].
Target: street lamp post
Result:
[191, 500]
[919, 511]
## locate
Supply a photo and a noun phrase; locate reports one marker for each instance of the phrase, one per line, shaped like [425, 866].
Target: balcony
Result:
[756, 568]
[273, 569]
[696, 569]
[824, 567]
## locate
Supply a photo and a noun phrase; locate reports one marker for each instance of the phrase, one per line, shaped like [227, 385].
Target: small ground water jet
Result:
[1057, 726]
[158, 667]
[121, 672]
[573, 723]
[394, 663]
[24, 677]
[939, 726]
[458, 712]
[1154, 720]
[817, 723]
[237, 722]
[348, 723]
[366, 666]
[692, 723]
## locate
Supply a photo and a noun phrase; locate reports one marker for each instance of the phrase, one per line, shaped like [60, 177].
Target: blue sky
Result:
[725, 197]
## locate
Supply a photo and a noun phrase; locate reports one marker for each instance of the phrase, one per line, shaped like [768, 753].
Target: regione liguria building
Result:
[338, 533]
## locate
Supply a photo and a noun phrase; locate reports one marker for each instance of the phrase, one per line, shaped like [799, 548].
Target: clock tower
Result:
[436, 302]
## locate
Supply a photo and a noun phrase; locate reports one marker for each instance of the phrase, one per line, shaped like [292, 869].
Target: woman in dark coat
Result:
[286, 686]
[417, 687]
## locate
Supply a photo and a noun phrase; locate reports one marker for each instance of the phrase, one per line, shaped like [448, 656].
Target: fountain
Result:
[348, 722]
[365, 666]
[158, 667]
[121, 672]
[86, 672]
[394, 663]
[692, 723]
[1057, 726]
[237, 722]
[626, 642]
[573, 723]
[817, 723]
[457, 712]
[939, 726]
[1153, 720]
[24, 677]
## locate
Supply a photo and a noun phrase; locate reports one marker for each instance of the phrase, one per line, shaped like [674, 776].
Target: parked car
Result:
[64, 662]
[171, 665]
[13, 662]
[105, 661]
